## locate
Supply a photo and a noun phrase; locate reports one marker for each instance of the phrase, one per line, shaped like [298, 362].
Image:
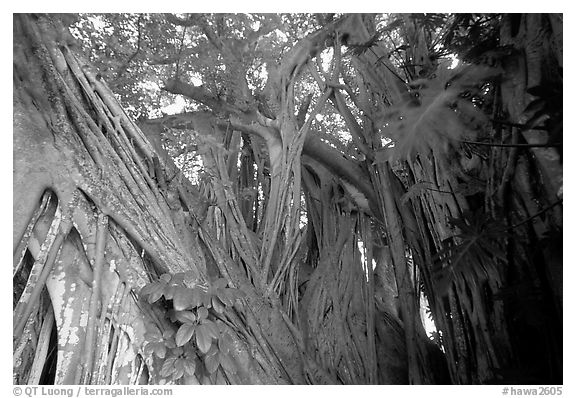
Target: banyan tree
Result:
[333, 183]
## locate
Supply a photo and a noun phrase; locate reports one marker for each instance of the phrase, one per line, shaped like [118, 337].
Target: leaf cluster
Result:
[470, 35]
[478, 243]
[194, 309]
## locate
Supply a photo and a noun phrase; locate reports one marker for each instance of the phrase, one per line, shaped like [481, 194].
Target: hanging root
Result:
[88, 354]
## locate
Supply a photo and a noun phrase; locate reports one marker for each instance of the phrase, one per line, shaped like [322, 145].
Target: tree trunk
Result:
[97, 215]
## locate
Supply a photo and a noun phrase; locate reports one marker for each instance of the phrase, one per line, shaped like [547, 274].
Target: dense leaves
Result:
[196, 329]
[158, 342]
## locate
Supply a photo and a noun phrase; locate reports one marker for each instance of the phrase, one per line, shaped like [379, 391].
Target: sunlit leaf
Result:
[150, 288]
[169, 291]
[184, 334]
[185, 316]
[218, 306]
[203, 338]
[202, 313]
[189, 367]
[156, 295]
[168, 367]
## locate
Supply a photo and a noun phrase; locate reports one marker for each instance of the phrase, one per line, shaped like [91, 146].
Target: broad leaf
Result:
[153, 333]
[158, 349]
[178, 370]
[225, 342]
[169, 292]
[149, 288]
[202, 313]
[211, 362]
[185, 316]
[184, 334]
[168, 367]
[203, 338]
[189, 366]
[434, 116]
[218, 305]
[155, 295]
[153, 291]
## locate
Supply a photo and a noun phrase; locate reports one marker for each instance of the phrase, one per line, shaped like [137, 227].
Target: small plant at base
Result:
[193, 309]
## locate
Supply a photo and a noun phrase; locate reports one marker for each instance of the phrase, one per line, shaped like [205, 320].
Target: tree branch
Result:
[196, 20]
[270, 135]
[199, 94]
[313, 147]
[353, 126]
[344, 168]
[124, 66]
[494, 144]
[301, 116]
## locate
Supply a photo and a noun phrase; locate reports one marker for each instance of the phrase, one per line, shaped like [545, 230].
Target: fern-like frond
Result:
[436, 113]
[479, 244]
